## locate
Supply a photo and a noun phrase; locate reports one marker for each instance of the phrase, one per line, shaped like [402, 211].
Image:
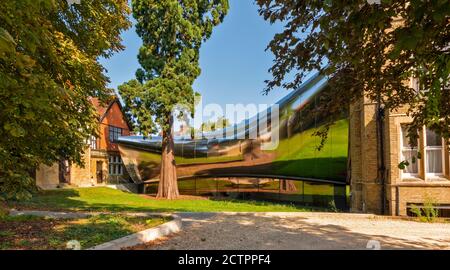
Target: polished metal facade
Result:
[237, 154]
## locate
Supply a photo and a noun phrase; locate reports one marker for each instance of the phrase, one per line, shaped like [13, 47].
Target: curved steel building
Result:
[237, 152]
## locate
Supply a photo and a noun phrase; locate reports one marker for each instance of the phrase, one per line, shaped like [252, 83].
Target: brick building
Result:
[103, 163]
[378, 185]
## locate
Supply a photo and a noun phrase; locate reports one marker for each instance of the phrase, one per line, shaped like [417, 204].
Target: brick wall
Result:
[419, 194]
[366, 187]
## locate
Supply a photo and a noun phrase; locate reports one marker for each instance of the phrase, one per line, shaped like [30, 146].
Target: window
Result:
[409, 153]
[114, 133]
[434, 154]
[115, 165]
[433, 158]
[94, 142]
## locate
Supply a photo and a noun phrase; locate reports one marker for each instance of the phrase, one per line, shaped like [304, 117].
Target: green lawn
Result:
[106, 199]
[31, 232]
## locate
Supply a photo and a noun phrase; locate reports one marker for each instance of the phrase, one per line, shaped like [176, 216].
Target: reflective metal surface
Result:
[240, 155]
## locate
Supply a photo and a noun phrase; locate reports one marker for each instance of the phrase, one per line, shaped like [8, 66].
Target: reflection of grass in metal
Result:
[211, 185]
[299, 156]
[156, 159]
[205, 160]
[150, 157]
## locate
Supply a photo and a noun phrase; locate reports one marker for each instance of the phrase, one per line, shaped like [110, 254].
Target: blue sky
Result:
[234, 62]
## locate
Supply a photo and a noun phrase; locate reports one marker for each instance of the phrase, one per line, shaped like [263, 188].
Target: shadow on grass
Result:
[94, 231]
[31, 232]
[108, 200]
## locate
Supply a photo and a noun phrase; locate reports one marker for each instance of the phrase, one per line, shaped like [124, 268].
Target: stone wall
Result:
[366, 185]
[355, 160]
[419, 194]
[47, 176]
[81, 176]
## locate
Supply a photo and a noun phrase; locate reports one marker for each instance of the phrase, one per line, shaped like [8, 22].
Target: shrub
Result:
[332, 206]
[4, 212]
[428, 212]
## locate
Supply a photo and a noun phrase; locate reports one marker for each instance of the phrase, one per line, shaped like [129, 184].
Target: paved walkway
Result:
[242, 231]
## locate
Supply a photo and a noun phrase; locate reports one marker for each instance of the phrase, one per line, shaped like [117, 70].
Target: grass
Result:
[106, 199]
[31, 232]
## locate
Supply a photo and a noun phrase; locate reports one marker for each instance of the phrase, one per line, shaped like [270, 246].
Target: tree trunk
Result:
[288, 186]
[168, 186]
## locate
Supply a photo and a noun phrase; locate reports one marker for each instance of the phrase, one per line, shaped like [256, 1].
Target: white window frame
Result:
[405, 175]
[94, 143]
[115, 166]
[428, 175]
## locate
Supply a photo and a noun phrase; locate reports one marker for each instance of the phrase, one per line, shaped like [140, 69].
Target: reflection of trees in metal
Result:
[296, 157]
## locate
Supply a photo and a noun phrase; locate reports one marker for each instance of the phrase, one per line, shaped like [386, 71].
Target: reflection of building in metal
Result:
[297, 171]
[233, 152]
[238, 154]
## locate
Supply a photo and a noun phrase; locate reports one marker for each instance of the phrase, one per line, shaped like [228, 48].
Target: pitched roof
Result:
[100, 107]
[103, 108]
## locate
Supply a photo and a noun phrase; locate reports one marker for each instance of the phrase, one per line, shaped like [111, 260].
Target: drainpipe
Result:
[381, 158]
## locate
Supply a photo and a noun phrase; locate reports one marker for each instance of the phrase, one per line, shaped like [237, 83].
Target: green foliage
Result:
[215, 125]
[332, 206]
[49, 68]
[172, 32]
[426, 213]
[4, 212]
[367, 47]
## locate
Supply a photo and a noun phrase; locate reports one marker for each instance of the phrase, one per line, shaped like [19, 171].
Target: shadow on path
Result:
[301, 231]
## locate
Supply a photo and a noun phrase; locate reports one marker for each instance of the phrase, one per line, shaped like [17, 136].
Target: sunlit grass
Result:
[106, 199]
[31, 232]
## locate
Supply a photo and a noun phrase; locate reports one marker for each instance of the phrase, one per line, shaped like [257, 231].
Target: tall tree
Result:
[368, 47]
[49, 69]
[172, 32]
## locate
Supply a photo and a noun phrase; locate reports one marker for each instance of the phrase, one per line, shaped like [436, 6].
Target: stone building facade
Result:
[102, 161]
[378, 185]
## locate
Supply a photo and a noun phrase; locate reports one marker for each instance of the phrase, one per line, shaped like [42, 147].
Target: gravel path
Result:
[240, 231]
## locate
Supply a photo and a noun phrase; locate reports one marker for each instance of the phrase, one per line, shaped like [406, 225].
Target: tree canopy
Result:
[220, 123]
[172, 32]
[49, 69]
[368, 47]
